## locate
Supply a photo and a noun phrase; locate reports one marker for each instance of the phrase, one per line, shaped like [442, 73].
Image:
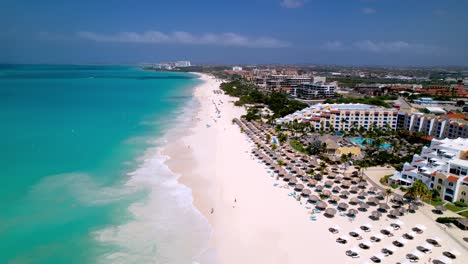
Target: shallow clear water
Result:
[81, 178]
[360, 142]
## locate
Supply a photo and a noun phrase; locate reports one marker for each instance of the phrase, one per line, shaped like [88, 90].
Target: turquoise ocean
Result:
[81, 177]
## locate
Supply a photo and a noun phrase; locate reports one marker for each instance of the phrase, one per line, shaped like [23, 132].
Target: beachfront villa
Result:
[442, 166]
[338, 117]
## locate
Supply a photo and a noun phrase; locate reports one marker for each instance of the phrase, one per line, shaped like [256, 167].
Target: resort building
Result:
[442, 166]
[315, 90]
[336, 117]
[445, 126]
[372, 89]
[182, 64]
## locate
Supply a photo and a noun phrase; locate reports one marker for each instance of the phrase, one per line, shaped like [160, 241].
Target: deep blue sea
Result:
[81, 178]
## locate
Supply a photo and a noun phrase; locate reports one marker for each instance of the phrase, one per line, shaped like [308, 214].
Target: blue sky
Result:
[358, 32]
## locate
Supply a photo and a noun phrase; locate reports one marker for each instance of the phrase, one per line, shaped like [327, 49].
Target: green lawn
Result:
[453, 207]
[434, 203]
[297, 145]
[465, 214]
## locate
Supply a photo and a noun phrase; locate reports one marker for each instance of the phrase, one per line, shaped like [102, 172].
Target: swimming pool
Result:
[360, 141]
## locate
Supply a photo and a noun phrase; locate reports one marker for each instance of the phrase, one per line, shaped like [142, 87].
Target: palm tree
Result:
[387, 193]
[419, 189]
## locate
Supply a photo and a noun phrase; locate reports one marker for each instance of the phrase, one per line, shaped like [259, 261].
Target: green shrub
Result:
[446, 220]
[403, 189]
[460, 204]
[384, 179]
[437, 199]
[394, 186]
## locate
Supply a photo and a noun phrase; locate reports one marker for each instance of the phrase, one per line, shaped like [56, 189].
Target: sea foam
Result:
[165, 226]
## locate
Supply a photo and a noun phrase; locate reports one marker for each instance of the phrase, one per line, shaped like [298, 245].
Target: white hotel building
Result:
[336, 117]
[442, 166]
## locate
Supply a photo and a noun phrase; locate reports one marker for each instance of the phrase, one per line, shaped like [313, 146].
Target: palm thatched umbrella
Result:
[362, 194]
[344, 193]
[397, 198]
[343, 206]
[319, 188]
[373, 201]
[306, 192]
[362, 185]
[384, 206]
[330, 212]
[352, 212]
[338, 179]
[355, 179]
[328, 183]
[401, 210]
[326, 193]
[354, 200]
[354, 189]
[321, 205]
[376, 214]
[336, 189]
[440, 208]
[394, 213]
[299, 187]
[412, 208]
[287, 178]
[292, 181]
[334, 198]
[314, 198]
[363, 205]
[312, 182]
[346, 184]
[373, 189]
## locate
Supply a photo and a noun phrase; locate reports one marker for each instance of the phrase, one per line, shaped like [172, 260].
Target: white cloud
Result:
[368, 11]
[291, 3]
[394, 46]
[182, 37]
[372, 46]
[379, 46]
[333, 45]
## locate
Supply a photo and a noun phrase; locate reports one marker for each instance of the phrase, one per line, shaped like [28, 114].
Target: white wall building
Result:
[336, 117]
[182, 64]
[442, 166]
[237, 68]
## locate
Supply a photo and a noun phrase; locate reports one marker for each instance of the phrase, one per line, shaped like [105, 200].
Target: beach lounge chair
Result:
[408, 236]
[334, 229]
[398, 243]
[412, 258]
[376, 238]
[434, 242]
[449, 255]
[423, 249]
[386, 251]
[365, 244]
[354, 253]
[377, 258]
[342, 239]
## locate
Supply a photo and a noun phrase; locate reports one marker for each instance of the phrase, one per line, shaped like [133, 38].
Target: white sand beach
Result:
[252, 220]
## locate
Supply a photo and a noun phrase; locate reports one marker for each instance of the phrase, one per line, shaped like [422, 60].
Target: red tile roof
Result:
[452, 179]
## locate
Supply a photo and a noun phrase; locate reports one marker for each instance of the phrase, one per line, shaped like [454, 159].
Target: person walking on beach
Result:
[212, 210]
